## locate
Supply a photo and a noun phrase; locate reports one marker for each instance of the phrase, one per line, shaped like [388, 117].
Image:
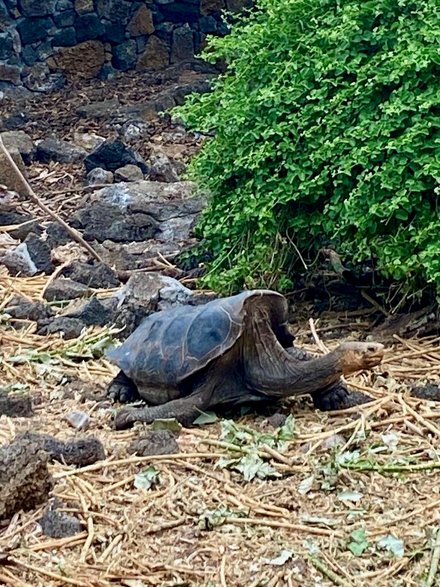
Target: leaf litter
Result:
[241, 492]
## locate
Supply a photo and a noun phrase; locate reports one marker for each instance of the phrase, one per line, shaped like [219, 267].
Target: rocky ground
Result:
[287, 497]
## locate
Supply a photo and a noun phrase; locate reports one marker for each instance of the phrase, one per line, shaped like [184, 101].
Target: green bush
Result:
[324, 129]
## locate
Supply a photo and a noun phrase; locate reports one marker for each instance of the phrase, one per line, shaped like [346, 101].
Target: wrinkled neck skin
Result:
[270, 369]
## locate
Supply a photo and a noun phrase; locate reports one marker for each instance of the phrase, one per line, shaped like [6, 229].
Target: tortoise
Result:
[226, 352]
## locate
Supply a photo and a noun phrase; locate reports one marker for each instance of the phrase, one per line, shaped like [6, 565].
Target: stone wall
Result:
[43, 43]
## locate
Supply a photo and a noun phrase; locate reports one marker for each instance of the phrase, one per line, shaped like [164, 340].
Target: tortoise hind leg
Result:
[185, 410]
[123, 389]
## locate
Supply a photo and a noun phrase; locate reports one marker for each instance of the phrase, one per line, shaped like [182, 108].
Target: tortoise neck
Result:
[273, 370]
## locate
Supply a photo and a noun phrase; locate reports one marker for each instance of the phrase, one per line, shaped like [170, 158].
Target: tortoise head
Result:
[359, 356]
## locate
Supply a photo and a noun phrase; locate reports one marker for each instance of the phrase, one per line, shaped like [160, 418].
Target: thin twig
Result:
[282, 524]
[222, 572]
[316, 338]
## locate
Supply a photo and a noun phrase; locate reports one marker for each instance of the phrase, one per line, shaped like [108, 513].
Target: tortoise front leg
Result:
[123, 389]
[184, 410]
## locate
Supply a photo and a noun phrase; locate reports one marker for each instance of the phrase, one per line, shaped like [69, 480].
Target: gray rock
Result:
[182, 48]
[23, 309]
[57, 235]
[96, 275]
[15, 121]
[332, 442]
[134, 130]
[140, 210]
[28, 258]
[172, 294]
[65, 289]
[114, 10]
[124, 55]
[6, 46]
[20, 141]
[99, 176]
[145, 293]
[78, 420]
[65, 37]
[135, 255]
[114, 32]
[208, 24]
[68, 327]
[25, 224]
[59, 525]
[103, 109]
[18, 261]
[88, 141]
[162, 169]
[129, 173]
[36, 7]
[40, 253]
[88, 26]
[29, 55]
[8, 174]
[103, 222]
[154, 442]
[112, 155]
[90, 312]
[63, 5]
[64, 19]
[34, 30]
[57, 150]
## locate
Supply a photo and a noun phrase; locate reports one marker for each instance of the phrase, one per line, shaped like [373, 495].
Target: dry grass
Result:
[159, 536]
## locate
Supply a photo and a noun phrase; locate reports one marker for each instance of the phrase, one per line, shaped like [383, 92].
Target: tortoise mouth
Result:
[376, 348]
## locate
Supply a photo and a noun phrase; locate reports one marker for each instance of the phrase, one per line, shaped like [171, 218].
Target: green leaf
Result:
[359, 543]
[170, 424]
[206, 418]
[358, 548]
[287, 430]
[252, 466]
[147, 478]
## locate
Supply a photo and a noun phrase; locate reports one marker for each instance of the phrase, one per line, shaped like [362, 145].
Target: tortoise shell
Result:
[173, 345]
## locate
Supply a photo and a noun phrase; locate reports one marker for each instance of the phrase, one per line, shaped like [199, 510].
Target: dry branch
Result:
[33, 196]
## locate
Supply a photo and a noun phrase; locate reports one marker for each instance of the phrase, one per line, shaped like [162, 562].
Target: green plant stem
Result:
[391, 468]
[322, 568]
[434, 560]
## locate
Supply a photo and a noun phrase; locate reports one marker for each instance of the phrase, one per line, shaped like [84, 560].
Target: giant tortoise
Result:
[228, 351]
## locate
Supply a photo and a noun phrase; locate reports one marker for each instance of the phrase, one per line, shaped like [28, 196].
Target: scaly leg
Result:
[123, 389]
[184, 410]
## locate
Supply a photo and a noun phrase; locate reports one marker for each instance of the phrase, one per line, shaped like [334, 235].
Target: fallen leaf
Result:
[206, 418]
[147, 478]
[392, 544]
[353, 496]
[281, 559]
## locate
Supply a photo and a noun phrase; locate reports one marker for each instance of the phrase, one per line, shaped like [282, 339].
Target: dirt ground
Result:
[346, 498]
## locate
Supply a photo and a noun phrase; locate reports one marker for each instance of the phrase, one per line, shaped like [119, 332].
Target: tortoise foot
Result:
[338, 398]
[124, 418]
[122, 389]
